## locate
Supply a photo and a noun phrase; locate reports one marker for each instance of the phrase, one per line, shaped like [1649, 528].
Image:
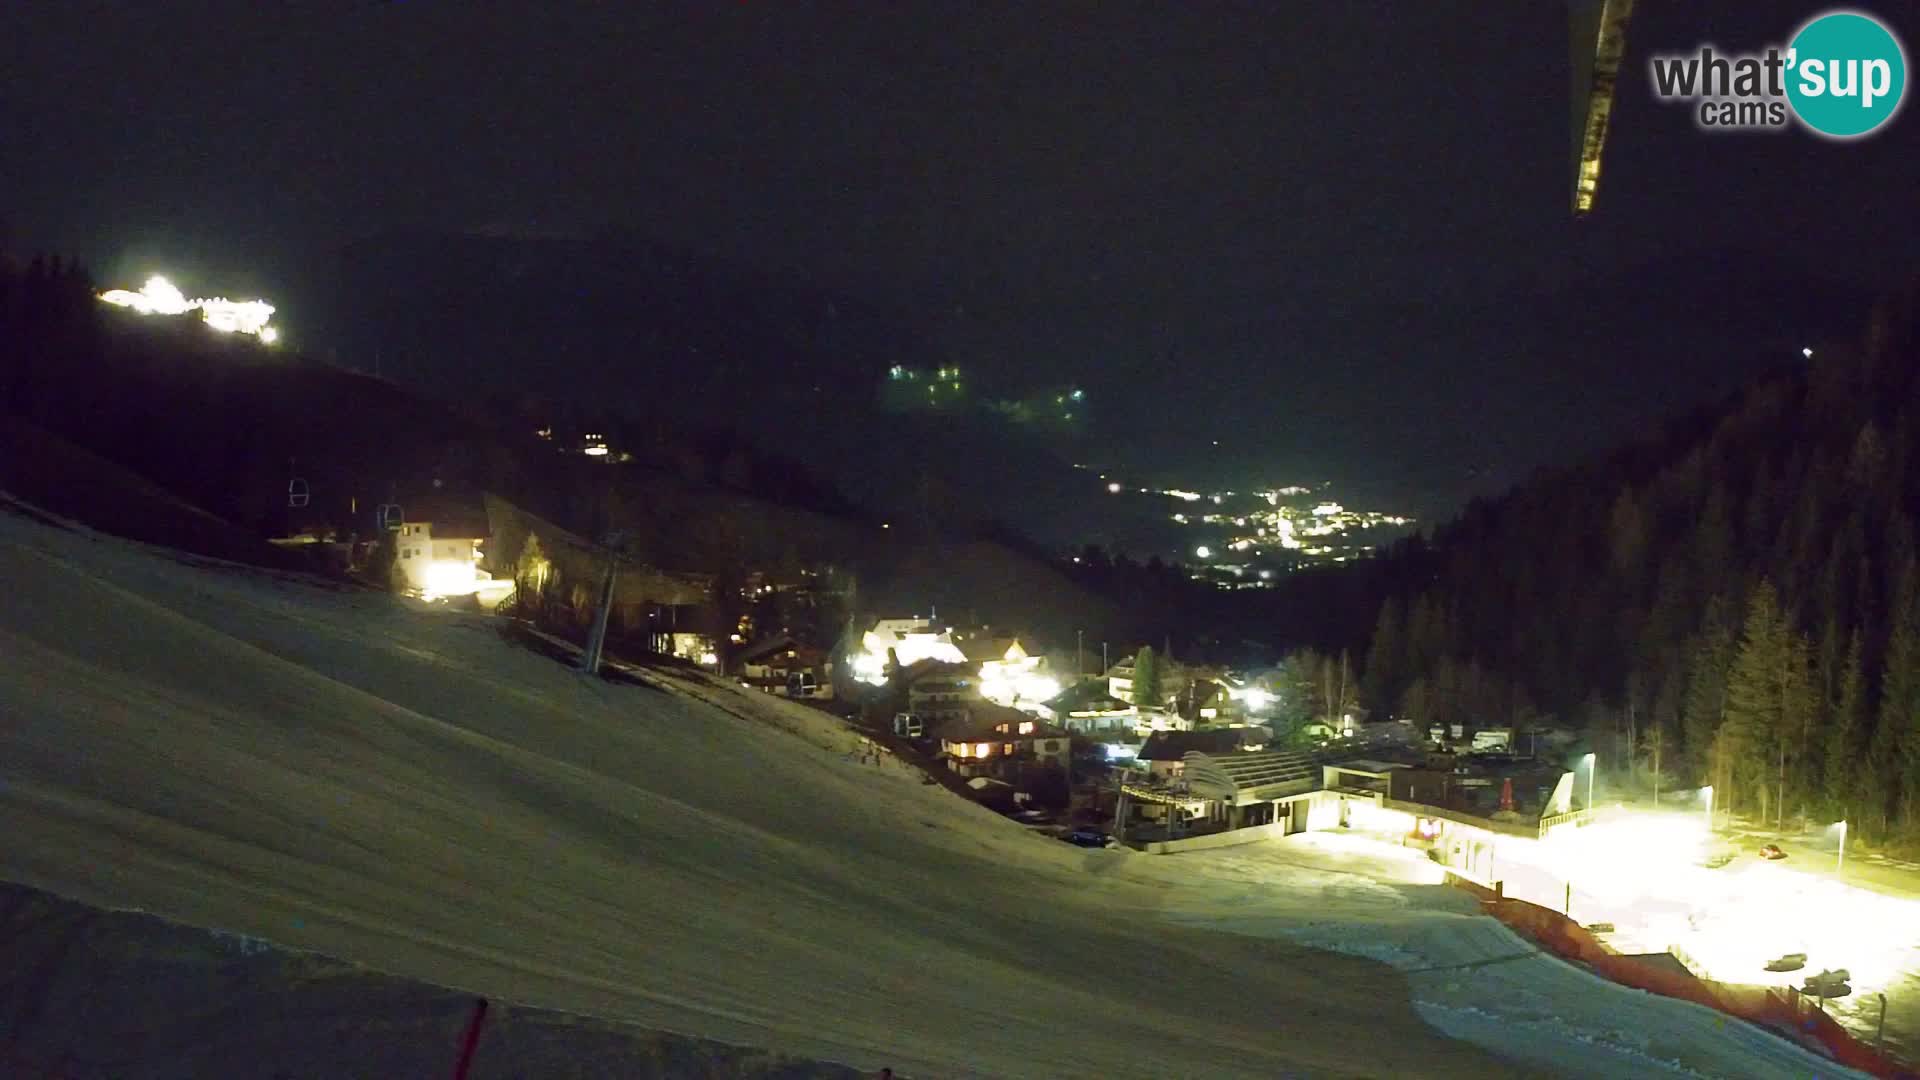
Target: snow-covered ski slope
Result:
[398, 786]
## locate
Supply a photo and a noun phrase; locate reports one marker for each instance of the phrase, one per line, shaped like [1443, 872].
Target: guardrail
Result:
[1576, 818]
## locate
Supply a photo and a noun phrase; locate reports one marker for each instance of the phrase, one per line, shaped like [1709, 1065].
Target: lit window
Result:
[1026, 728]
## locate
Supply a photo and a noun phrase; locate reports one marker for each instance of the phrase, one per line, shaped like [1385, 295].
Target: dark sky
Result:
[1335, 236]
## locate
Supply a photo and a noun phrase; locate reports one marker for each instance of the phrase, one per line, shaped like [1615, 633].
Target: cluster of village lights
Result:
[160, 297]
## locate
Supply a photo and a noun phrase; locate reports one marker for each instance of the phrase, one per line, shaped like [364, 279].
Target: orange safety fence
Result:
[1790, 1013]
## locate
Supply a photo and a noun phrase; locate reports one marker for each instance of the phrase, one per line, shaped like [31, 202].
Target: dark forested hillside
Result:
[211, 427]
[1734, 600]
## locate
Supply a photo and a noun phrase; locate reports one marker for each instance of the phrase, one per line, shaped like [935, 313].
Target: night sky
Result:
[1335, 238]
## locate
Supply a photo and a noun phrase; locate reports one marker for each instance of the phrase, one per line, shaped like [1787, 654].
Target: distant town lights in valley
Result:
[159, 297]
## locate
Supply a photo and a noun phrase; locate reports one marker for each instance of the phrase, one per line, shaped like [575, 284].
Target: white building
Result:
[905, 642]
[439, 548]
[1009, 675]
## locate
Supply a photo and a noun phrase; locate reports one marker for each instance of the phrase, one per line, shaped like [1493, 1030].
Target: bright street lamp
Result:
[1593, 766]
[1842, 866]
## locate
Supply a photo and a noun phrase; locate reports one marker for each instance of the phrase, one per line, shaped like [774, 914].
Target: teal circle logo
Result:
[1846, 74]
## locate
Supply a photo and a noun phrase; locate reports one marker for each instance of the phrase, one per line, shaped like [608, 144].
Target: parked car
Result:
[1772, 851]
[1789, 962]
[1829, 984]
[1086, 838]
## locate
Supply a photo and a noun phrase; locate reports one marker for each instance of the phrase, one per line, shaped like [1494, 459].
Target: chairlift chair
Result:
[298, 494]
[391, 517]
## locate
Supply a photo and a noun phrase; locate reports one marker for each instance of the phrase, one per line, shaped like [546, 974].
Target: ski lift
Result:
[298, 493]
[391, 517]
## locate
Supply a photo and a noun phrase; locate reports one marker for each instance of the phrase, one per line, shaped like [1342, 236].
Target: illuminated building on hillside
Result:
[438, 550]
[917, 389]
[159, 297]
[902, 642]
[1061, 409]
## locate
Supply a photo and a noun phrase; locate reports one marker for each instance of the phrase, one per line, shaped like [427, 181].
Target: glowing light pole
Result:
[1708, 792]
[1593, 766]
[1841, 868]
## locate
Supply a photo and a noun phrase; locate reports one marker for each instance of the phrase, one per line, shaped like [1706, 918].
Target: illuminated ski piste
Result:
[393, 784]
[1647, 873]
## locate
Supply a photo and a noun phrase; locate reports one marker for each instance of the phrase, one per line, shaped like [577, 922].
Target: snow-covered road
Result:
[396, 785]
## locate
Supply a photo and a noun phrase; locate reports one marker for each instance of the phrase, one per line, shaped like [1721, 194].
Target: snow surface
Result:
[398, 786]
[78, 1001]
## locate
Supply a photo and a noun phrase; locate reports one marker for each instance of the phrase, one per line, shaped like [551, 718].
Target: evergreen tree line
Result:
[1731, 603]
[46, 320]
[1312, 689]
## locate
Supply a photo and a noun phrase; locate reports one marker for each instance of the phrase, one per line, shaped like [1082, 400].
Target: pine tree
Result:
[1426, 634]
[1146, 678]
[1758, 526]
[533, 575]
[1867, 464]
[1713, 544]
[1895, 750]
[1654, 743]
[1298, 690]
[1705, 702]
[1386, 655]
[1768, 697]
[1845, 735]
[1627, 535]
[1416, 705]
[1337, 690]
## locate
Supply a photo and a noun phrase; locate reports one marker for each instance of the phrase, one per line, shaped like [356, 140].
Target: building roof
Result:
[982, 649]
[1250, 777]
[765, 647]
[1087, 696]
[1202, 695]
[895, 630]
[984, 717]
[1174, 745]
[1368, 765]
[451, 516]
[930, 668]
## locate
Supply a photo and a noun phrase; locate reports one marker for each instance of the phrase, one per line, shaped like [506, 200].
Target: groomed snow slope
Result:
[397, 786]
